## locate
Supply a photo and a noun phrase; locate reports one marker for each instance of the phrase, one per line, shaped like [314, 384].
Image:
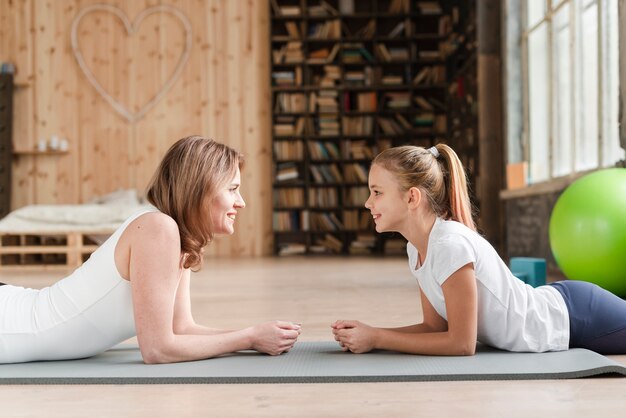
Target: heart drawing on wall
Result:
[131, 29]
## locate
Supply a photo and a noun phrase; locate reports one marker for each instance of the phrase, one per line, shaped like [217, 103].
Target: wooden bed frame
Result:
[38, 250]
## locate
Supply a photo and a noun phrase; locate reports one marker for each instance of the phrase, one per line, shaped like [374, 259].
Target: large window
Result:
[570, 91]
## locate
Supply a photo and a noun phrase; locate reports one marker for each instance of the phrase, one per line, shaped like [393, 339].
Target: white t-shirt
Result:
[512, 315]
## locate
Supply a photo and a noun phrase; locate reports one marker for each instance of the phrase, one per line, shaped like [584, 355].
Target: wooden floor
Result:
[315, 292]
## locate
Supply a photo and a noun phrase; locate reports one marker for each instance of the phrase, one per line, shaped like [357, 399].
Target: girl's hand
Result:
[274, 337]
[354, 336]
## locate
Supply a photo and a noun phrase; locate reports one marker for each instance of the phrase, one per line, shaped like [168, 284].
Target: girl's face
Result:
[386, 202]
[224, 207]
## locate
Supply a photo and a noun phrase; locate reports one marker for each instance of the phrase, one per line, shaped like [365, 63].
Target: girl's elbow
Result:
[468, 350]
[465, 347]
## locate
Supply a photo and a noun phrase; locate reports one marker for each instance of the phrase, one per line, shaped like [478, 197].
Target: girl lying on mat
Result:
[137, 282]
[468, 294]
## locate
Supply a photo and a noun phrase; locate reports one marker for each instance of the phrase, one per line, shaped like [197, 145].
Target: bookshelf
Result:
[349, 79]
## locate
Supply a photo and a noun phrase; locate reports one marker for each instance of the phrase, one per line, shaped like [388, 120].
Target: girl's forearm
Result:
[428, 343]
[414, 329]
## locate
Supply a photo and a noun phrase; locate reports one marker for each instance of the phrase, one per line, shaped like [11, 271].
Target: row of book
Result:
[363, 244]
[305, 220]
[325, 101]
[293, 197]
[320, 151]
[352, 53]
[288, 150]
[327, 125]
[366, 76]
[344, 7]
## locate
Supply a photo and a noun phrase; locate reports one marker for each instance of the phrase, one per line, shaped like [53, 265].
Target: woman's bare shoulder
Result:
[153, 225]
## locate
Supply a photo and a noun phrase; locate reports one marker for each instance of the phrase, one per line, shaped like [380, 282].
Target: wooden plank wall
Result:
[223, 93]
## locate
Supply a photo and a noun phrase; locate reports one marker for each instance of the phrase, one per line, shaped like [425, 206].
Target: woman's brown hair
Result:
[192, 171]
[438, 172]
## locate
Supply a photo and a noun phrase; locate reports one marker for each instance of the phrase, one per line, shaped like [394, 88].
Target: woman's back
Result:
[81, 315]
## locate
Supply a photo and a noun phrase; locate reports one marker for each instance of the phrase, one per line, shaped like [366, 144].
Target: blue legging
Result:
[597, 318]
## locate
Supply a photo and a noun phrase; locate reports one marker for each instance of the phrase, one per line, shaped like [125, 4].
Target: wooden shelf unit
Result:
[345, 86]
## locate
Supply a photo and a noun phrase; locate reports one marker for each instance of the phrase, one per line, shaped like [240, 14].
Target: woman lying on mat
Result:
[137, 282]
[467, 292]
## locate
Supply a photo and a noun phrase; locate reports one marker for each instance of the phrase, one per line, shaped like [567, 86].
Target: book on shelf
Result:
[288, 77]
[290, 10]
[321, 221]
[325, 173]
[355, 53]
[287, 171]
[429, 55]
[330, 243]
[284, 125]
[356, 196]
[289, 53]
[390, 126]
[291, 249]
[392, 80]
[381, 51]
[325, 30]
[357, 220]
[290, 220]
[395, 246]
[397, 100]
[430, 75]
[346, 7]
[325, 197]
[292, 29]
[290, 103]
[362, 244]
[288, 150]
[357, 149]
[398, 6]
[323, 150]
[367, 31]
[289, 197]
[423, 103]
[358, 125]
[429, 7]
[322, 9]
[403, 121]
[355, 173]
[397, 30]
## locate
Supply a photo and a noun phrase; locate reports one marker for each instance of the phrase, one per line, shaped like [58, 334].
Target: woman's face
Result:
[225, 205]
[386, 201]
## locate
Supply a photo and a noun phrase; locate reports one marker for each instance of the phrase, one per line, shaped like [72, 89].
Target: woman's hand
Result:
[274, 337]
[354, 336]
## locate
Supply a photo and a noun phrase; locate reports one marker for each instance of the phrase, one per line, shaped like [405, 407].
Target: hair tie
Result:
[434, 151]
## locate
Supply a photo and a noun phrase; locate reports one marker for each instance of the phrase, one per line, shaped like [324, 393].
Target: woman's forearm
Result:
[189, 347]
[196, 329]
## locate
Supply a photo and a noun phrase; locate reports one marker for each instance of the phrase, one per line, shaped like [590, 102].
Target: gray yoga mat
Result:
[313, 362]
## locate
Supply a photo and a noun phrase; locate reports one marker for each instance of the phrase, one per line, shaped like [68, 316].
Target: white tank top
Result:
[81, 315]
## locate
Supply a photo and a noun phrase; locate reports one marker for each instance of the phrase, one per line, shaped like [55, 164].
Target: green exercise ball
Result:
[588, 230]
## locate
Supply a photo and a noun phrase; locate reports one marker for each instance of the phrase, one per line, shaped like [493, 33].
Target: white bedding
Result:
[67, 218]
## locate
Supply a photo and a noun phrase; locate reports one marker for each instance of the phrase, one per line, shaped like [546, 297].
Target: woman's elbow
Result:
[155, 353]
